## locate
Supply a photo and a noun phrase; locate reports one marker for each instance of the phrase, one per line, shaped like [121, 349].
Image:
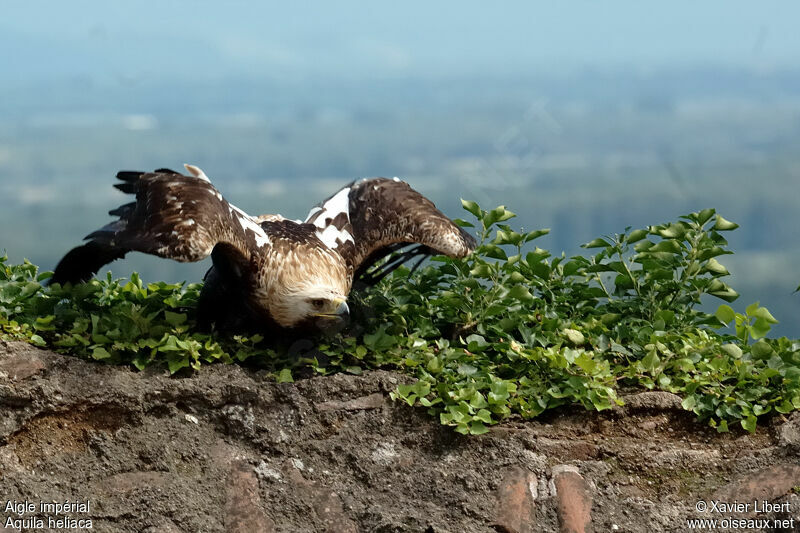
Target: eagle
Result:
[269, 272]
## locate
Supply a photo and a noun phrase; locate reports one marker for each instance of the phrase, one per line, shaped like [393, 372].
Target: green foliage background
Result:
[509, 331]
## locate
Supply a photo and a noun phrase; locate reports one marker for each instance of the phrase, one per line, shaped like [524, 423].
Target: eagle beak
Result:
[331, 323]
[342, 312]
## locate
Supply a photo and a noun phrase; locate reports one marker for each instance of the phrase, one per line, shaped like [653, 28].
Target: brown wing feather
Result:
[174, 216]
[381, 213]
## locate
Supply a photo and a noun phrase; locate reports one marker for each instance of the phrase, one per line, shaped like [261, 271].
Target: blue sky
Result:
[362, 40]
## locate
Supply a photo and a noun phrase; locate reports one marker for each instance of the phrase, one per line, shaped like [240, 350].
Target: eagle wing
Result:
[174, 216]
[369, 219]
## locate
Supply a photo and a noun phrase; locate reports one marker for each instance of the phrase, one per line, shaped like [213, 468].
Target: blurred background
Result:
[584, 119]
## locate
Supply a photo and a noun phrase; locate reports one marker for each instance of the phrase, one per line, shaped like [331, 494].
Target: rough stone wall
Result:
[226, 449]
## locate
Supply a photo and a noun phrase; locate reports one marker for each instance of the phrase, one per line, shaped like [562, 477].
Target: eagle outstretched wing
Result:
[174, 216]
[369, 219]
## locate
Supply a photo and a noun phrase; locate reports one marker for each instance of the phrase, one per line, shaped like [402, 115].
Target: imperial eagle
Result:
[268, 271]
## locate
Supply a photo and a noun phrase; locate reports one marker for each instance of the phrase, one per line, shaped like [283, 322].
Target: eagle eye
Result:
[318, 303]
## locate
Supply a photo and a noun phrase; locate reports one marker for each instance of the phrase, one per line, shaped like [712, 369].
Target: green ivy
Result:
[509, 330]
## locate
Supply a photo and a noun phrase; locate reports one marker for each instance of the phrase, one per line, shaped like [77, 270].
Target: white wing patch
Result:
[247, 222]
[328, 233]
[314, 209]
[338, 203]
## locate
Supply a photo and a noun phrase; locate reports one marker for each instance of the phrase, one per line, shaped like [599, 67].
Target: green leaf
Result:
[671, 231]
[472, 207]
[597, 243]
[749, 424]
[536, 256]
[285, 376]
[531, 235]
[498, 214]
[727, 294]
[651, 361]
[176, 361]
[763, 312]
[732, 350]
[759, 328]
[705, 215]
[484, 415]
[636, 236]
[667, 245]
[100, 353]
[175, 319]
[725, 314]
[434, 365]
[688, 403]
[476, 342]
[715, 267]
[761, 350]
[586, 363]
[38, 340]
[477, 428]
[724, 225]
[482, 270]
[665, 315]
[574, 336]
[520, 292]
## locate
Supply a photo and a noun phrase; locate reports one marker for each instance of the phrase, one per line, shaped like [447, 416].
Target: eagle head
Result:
[309, 292]
[310, 304]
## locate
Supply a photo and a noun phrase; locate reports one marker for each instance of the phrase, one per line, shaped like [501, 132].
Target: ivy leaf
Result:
[285, 376]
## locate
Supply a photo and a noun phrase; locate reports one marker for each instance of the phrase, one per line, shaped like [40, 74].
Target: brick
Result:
[516, 499]
[573, 500]
[372, 401]
[328, 507]
[243, 512]
[582, 451]
[20, 367]
[656, 400]
[789, 431]
[326, 503]
[767, 484]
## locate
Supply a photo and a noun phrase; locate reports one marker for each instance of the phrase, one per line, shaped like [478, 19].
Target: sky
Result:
[346, 40]
[79, 67]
